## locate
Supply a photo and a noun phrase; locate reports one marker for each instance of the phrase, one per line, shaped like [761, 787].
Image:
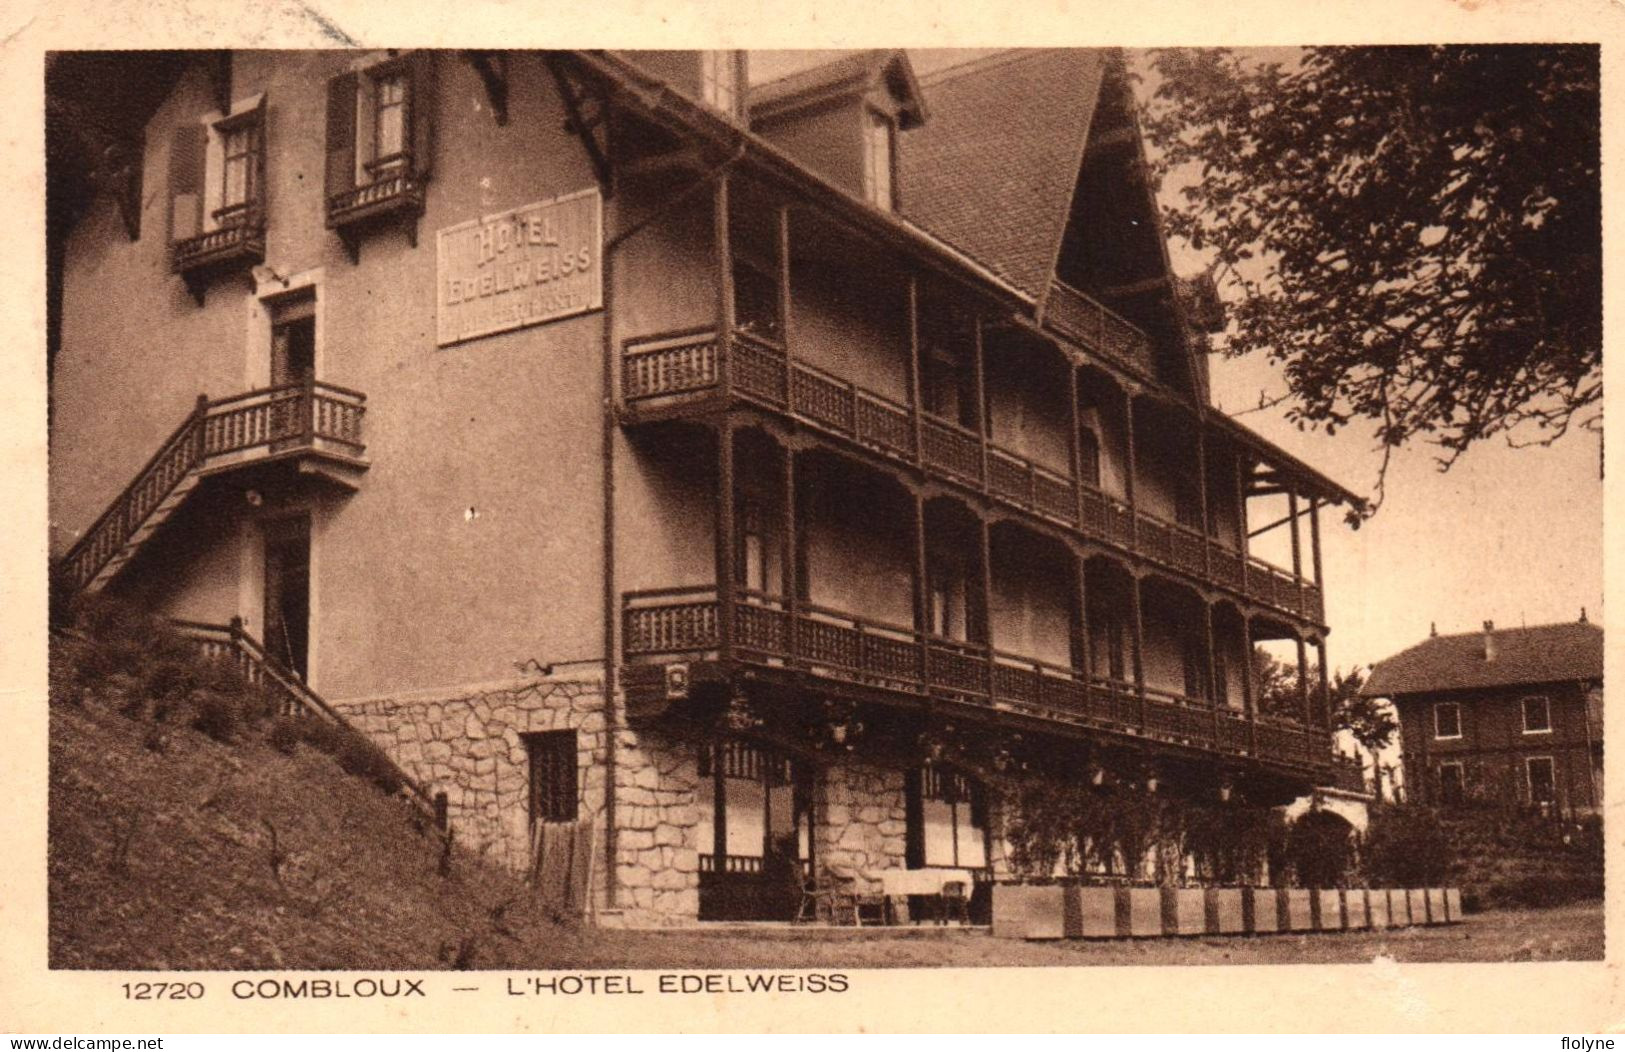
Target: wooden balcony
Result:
[308, 420]
[1077, 317]
[693, 371]
[672, 625]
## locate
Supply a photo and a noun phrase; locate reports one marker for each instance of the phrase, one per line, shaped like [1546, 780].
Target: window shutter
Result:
[186, 153]
[423, 95]
[341, 96]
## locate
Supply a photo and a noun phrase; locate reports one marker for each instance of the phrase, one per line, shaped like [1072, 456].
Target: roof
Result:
[992, 172]
[859, 71]
[1538, 654]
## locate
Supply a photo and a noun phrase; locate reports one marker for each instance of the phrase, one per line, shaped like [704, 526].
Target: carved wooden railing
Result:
[399, 189]
[1081, 319]
[233, 644]
[242, 240]
[292, 416]
[694, 361]
[667, 624]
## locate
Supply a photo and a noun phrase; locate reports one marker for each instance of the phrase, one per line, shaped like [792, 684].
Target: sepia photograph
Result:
[810, 511]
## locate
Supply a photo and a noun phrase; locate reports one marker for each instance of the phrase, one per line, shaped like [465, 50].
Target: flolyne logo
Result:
[523, 267]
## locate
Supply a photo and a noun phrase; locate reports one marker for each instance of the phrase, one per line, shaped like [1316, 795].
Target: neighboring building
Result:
[809, 424]
[1508, 715]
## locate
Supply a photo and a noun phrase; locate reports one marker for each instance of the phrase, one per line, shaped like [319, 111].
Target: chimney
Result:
[1583, 616]
[1433, 630]
[1489, 640]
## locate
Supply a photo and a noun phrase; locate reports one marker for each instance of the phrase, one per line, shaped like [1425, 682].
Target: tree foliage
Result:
[1413, 233]
[1372, 722]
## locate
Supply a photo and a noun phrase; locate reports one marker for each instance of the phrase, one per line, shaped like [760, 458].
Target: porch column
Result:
[1297, 543]
[922, 569]
[1139, 643]
[1133, 470]
[987, 595]
[791, 555]
[1086, 660]
[1314, 541]
[1073, 444]
[916, 400]
[1201, 492]
[725, 535]
[725, 274]
[1212, 656]
[984, 426]
[784, 301]
[1303, 679]
[1249, 690]
[1325, 685]
[1241, 515]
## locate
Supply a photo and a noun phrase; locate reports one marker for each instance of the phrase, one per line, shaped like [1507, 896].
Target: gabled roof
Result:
[992, 171]
[861, 71]
[1539, 654]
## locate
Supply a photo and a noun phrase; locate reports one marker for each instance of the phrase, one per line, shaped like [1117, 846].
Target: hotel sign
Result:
[531, 265]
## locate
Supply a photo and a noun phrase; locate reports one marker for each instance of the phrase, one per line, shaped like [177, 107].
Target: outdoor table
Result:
[926, 882]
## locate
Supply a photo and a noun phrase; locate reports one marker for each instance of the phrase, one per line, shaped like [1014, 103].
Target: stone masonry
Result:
[466, 742]
[861, 822]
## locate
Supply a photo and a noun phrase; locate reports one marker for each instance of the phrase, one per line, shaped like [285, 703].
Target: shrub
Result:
[1406, 847]
[218, 715]
[1320, 850]
[284, 735]
[354, 751]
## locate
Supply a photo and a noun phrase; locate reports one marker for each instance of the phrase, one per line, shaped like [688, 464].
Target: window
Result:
[1537, 714]
[1221, 681]
[1111, 633]
[755, 557]
[293, 339]
[388, 118]
[947, 820]
[719, 80]
[756, 300]
[749, 809]
[1452, 783]
[1542, 779]
[1447, 720]
[877, 159]
[241, 149]
[553, 794]
[1195, 660]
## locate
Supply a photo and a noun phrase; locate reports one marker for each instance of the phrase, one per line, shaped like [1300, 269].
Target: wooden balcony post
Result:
[984, 426]
[1314, 541]
[1077, 445]
[1083, 657]
[725, 535]
[783, 250]
[1212, 667]
[725, 280]
[1139, 645]
[791, 555]
[987, 596]
[1303, 679]
[1133, 470]
[1201, 492]
[1249, 696]
[1325, 685]
[1297, 544]
[200, 414]
[1241, 519]
[916, 400]
[922, 593]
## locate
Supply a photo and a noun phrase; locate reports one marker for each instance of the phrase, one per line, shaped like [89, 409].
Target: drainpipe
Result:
[612, 723]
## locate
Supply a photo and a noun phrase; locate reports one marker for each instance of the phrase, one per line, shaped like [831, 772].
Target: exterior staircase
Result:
[298, 419]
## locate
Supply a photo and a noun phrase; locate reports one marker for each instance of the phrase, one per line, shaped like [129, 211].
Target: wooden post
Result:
[916, 400]
[725, 280]
[784, 303]
[1133, 470]
[1201, 492]
[922, 593]
[987, 596]
[1303, 679]
[790, 549]
[1074, 435]
[1325, 685]
[1139, 644]
[725, 535]
[1314, 541]
[1297, 543]
[1081, 565]
[1249, 696]
[984, 425]
[1241, 521]
[200, 414]
[308, 398]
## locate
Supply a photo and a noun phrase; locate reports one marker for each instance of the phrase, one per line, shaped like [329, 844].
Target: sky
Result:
[1512, 536]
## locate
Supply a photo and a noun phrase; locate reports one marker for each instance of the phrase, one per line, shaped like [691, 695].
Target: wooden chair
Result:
[829, 898]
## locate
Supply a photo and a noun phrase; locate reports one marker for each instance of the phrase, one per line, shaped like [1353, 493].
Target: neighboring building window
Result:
[389, 118]
[949, 820]
[240, 144]
[553, 792]
[1542, 779]
[1537, 714]
[1452, 783]
[719, 74]
[877, 159]
[1447, 720]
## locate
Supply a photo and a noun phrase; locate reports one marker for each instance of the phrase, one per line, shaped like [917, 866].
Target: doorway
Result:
[287, 593]
[755, 832]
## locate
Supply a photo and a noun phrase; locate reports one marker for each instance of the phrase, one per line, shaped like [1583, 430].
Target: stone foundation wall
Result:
[861, 822]
[466, 743]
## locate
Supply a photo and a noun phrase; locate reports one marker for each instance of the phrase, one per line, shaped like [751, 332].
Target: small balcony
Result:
[688, 625]
[693, 371]
[1079, 318]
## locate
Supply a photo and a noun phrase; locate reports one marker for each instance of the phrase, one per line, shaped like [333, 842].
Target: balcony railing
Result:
[240, 242]
[396, 191]
[674, 367]
[1079, 318]
[309, 415]
[687, 623]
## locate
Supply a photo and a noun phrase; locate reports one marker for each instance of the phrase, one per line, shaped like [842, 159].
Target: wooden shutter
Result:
[422, 101]
[341, 96]
[186, 159]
